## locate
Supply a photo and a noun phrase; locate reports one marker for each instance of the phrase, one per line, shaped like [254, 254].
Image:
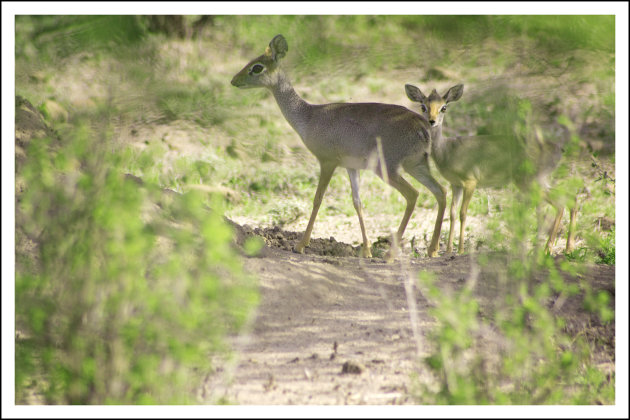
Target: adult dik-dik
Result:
[489, 161]
[354, 136]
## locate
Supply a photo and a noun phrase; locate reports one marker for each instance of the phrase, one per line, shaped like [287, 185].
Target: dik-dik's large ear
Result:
[414, 93]
[277, 48]
[454, 93]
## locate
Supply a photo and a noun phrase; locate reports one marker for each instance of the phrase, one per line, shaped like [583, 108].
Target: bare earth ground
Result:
[336, 330]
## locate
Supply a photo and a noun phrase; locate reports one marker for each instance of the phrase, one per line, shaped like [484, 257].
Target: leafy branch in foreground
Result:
[120, 301]
[520, 354]
[514, 348]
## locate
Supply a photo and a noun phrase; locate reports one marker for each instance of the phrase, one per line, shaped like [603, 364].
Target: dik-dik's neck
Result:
[437, 141]
[295, 109]
[440, 147]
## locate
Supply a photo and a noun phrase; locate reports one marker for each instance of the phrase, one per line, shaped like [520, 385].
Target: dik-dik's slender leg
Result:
[571, 234]
[356, 200]
[410, 194]
[553, 233]
[455, 200]
[326, 171]
[420, 170]
[469, 188]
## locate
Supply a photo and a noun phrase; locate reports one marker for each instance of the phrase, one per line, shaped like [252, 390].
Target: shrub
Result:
[519, 351]
[519, 354]
[120, 301]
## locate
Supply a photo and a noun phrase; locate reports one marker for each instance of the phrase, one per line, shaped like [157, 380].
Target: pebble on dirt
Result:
[352, 367]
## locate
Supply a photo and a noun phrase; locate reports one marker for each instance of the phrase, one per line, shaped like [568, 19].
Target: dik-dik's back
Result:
[495, 160]
[348, 133]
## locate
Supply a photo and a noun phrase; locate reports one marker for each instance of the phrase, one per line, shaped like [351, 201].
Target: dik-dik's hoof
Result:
[299, 248]
[432, 253]
[366, 252]
[391, 255]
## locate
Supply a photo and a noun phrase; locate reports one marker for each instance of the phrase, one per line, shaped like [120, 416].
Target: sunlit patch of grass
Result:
[577, 255]
[606, 250]
[480, 203]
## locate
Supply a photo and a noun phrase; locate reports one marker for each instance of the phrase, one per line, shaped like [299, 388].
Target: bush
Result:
[120, 301]
[519, 351]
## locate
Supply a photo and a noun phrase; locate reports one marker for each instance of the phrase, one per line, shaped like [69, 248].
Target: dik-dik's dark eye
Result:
[443, 109]
[257, 69]
[423, 107]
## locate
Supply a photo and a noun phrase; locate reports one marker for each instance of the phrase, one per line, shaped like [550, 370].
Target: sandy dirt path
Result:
[321, 313]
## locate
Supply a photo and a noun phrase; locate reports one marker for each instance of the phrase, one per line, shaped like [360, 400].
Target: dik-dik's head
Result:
[434, 106]
[260, 71]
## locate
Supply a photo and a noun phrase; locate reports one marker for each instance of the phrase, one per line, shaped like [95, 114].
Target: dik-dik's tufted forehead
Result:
[435, 97]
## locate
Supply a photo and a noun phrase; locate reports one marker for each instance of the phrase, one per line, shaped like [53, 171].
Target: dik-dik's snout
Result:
[236, 82]
[242, 79]
[239, 82]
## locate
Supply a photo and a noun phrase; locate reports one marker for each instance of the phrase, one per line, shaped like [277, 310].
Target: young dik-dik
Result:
[488, 161]
[355, 136]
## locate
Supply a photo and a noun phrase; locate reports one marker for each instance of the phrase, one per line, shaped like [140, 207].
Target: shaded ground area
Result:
[337, 330]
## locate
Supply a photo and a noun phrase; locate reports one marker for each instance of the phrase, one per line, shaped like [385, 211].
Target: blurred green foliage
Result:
[606, 249]
[323, 40]
[117, 306]
[57, 37]
[118, 303]
[519, 351]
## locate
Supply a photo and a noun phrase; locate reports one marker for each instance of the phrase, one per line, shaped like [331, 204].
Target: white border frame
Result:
[9, 10]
